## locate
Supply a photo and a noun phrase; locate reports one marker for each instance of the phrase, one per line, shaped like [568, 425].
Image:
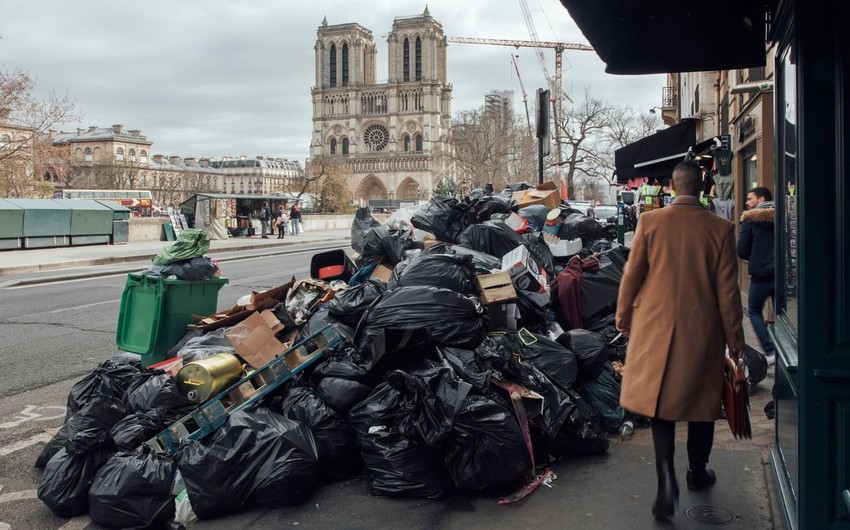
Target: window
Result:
[132, 155]
[5, 140]
[333, 65]
[376, 137]
[786, 191]
[406, 142]
[406, 59]
[119, 153]
[345, 65]
[345, 146]
[418, 59]
[143, 156]
[87, 156]
[333, 146]
[418, 143]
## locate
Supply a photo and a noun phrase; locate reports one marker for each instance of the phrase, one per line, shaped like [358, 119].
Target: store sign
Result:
[746, 127]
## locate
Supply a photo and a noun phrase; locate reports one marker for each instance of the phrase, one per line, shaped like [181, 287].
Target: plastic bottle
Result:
[627, 428]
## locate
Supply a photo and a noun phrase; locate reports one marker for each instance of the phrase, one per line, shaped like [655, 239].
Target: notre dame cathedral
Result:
[390, 133]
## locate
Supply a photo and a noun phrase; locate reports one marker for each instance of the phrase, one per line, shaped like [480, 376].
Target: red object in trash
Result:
[330, 271]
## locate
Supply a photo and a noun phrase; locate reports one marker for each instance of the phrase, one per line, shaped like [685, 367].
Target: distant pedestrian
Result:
[265, 220]
[281, 220]
[755, 244]
[679, 304]
[295, 218]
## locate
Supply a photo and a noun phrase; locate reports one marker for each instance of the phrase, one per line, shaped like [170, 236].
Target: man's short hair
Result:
[688, 177]
[762, 192]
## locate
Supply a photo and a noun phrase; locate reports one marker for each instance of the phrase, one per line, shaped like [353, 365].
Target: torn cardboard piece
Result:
[254, 338]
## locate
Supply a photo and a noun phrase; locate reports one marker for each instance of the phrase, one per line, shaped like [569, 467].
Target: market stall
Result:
[224, 215]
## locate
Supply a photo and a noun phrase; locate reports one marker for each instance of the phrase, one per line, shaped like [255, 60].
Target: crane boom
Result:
[524, 94]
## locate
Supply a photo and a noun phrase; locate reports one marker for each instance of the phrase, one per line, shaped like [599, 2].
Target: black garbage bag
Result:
[257, 458]
[531, 316]
[601, 245]
[192, 269]
[384, 243]
[557, 362]
[339, 457]
[484, 263]
[101, 412]
[581, 434]
[443, 316]
[492, 237]
[205, 345]
[590, 349]
[603, 394]
[486, 448]
[64, 485]
[466, 366]
[599, 289]
[755, 365]
[158, 389]
[138, 427]
[402, 427]
[576, 224]
[349, 305]
[540, 251]
[133, 491]
[617, 343]
[482, 208]
[109, 378]
[363, 221]
[447, 271]
[445, 217]
[342, 394]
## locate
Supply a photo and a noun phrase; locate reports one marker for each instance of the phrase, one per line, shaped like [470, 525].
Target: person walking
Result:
[265, 218]
[755, 244]
[295, 218]
[679, 303]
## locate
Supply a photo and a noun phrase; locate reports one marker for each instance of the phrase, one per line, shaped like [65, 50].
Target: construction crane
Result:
[524, 94]
[555, 83]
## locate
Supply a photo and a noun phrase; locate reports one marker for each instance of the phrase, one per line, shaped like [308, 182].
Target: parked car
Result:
[604, 212]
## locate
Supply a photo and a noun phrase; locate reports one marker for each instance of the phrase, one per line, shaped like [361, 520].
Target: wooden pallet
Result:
[245, 392]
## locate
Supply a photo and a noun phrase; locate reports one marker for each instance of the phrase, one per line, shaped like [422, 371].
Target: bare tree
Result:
[111, 172]
[28, 115]
[334, 195]
[319, 167]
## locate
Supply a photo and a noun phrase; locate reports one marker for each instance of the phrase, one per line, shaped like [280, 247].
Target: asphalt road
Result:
[54, 333]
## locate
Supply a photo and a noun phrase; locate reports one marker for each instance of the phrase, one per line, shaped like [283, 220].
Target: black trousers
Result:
[700, 439]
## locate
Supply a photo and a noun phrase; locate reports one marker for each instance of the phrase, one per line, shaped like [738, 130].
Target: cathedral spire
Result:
[325, 20]
[426, 13]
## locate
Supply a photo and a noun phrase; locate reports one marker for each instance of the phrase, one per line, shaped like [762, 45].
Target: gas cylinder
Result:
[202, 379]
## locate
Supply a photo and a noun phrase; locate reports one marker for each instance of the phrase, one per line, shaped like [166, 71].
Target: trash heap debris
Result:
[464, 345]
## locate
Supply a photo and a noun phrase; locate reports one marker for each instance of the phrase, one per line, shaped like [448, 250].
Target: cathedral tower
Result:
[391, 135]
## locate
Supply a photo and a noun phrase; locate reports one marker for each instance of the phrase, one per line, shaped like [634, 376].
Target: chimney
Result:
[118, 129]
[92, 128]
[135, 132]
[174, 159]
[190, 161]
[204, 162]
[158, 159]
[80, 131]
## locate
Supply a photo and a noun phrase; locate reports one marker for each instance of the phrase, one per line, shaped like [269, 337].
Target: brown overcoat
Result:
[680, 300]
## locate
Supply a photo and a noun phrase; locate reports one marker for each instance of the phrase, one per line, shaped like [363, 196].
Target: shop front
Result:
[806, 164]
[225, 215]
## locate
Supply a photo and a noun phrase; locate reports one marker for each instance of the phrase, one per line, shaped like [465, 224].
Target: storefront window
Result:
[786, 188]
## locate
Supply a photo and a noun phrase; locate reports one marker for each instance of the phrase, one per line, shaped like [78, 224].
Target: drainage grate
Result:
[710, 515]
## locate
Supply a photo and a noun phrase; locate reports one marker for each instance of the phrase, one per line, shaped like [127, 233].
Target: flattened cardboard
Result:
[383, 272]
[545, 194]
[260, 347]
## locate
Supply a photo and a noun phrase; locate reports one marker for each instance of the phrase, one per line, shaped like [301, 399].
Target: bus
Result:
[140, 202]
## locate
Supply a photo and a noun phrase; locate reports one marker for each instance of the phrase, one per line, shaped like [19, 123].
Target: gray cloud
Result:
[215, 77]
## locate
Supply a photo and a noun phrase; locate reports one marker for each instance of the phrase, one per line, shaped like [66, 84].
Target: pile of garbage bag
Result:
[476, 348]
[185, 260]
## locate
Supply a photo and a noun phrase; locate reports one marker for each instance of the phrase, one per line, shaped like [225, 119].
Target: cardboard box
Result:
[254, 338]
[524, 272]
[495, 288]
[383, 271]
[546, 194]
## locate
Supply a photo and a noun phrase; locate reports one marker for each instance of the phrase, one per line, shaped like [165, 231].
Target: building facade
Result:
[390, 136]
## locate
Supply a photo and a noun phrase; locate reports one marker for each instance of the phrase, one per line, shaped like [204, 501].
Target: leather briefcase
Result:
[736, 400]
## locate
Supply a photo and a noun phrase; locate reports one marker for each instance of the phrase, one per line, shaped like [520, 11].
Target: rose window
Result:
[376, 137]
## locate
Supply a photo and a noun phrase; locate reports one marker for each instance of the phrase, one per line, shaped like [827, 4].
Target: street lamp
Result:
[652, 110]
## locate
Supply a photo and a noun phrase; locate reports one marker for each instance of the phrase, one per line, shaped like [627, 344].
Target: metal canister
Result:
[202, 379]
[553, 222]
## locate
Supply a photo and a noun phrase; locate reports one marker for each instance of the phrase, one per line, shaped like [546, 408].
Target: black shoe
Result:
[701, 479]
[668, 494]
[264, 237]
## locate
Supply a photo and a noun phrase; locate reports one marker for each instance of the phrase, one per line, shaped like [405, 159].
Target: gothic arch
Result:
[408, 190]
[370, 187]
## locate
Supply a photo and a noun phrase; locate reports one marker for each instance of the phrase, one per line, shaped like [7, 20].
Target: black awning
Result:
[661, 36]
[656, 155]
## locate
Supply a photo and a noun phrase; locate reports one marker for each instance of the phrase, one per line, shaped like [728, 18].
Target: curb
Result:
[46, 267]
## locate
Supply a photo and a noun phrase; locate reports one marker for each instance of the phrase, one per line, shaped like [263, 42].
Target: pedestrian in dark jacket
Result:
[755, 244]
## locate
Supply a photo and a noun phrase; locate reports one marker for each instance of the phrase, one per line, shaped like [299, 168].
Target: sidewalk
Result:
[56, 258]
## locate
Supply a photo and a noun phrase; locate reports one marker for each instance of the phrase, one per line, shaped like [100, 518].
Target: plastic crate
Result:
[155, 311]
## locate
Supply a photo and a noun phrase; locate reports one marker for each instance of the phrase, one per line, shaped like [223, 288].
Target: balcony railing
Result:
[670, 97]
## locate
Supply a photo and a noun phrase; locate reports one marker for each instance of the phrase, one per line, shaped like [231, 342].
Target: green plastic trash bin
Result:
[155, 311]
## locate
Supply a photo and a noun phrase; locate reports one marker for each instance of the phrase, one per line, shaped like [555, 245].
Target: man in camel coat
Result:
[680, 304]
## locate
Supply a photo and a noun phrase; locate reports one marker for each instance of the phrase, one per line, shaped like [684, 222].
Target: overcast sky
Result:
[224, 77]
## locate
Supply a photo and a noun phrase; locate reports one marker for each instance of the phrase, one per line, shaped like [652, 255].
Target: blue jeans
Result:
[758, 295]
